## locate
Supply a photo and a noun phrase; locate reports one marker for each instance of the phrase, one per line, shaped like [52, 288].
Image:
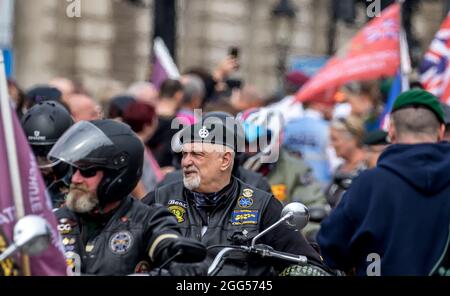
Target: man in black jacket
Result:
[104, 230]
[218, 209]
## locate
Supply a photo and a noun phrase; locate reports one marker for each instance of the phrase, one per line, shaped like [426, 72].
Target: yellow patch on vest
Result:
[178, 212]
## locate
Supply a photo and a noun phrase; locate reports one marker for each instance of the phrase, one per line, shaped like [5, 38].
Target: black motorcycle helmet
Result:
[43, 125]
[106, 144]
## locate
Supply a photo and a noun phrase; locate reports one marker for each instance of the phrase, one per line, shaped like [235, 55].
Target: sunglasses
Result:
[87, 173]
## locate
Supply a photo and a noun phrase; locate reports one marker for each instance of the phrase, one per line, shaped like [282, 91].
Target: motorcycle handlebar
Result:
[261, 250]
[298, 259]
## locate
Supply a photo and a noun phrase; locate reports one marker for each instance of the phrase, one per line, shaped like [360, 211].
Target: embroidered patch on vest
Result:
[245, 202]
[69, 244]
[65, 226]
[240, 217]
[68, 241]
[176, 202]
[247, 192]
[178, 209]
[89, 248]
[120, 242]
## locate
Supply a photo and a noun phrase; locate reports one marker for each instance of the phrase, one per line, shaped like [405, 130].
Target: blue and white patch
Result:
[245, 202]
[120, 242]
[242, 217]
[69, 248]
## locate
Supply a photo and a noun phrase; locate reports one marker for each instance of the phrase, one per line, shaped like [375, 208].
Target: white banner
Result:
[6, 21]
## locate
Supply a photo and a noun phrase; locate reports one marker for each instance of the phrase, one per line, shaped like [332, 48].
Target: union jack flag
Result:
[388, 29]
[435, 70]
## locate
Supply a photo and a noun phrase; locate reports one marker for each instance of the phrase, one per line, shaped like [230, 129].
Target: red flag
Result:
[435, 70]
[371, 54]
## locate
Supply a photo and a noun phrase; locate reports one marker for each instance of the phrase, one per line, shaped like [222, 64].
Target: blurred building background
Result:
[109, 44]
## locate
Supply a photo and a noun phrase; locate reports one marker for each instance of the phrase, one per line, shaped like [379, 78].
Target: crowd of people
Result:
[126, 198]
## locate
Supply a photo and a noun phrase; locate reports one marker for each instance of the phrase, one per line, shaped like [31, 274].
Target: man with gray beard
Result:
[214, 207]
[80, 199]
[105, 231]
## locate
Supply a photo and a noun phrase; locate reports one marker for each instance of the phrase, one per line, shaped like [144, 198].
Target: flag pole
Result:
[5, 109]
[405, 61]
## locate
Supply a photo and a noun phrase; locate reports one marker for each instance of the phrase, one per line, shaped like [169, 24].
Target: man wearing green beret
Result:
[394, 219]
[374, 144]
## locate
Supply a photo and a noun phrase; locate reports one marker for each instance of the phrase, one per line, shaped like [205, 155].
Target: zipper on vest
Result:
[205, 227]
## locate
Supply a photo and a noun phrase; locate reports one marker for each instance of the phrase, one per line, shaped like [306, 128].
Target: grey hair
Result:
[418, 122]
[193, 86]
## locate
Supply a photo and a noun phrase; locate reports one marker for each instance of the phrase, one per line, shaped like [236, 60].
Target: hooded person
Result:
[397, 213]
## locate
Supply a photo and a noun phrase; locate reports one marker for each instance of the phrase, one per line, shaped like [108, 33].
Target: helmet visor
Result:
[84, 146]
[44, 163]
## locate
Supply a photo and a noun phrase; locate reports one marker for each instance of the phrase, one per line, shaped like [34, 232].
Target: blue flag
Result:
[394, 92]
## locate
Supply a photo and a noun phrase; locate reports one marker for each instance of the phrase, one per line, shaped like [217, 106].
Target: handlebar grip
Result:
[298, 259]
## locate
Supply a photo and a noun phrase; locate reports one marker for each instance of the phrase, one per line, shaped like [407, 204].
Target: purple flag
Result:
[163, 65]
[35, 201]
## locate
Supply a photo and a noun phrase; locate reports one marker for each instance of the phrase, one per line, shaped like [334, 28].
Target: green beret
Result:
[419, 98]
[376, 137]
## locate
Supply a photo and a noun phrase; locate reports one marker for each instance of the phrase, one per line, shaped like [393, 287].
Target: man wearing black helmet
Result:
[105, 231]
[43, 124]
